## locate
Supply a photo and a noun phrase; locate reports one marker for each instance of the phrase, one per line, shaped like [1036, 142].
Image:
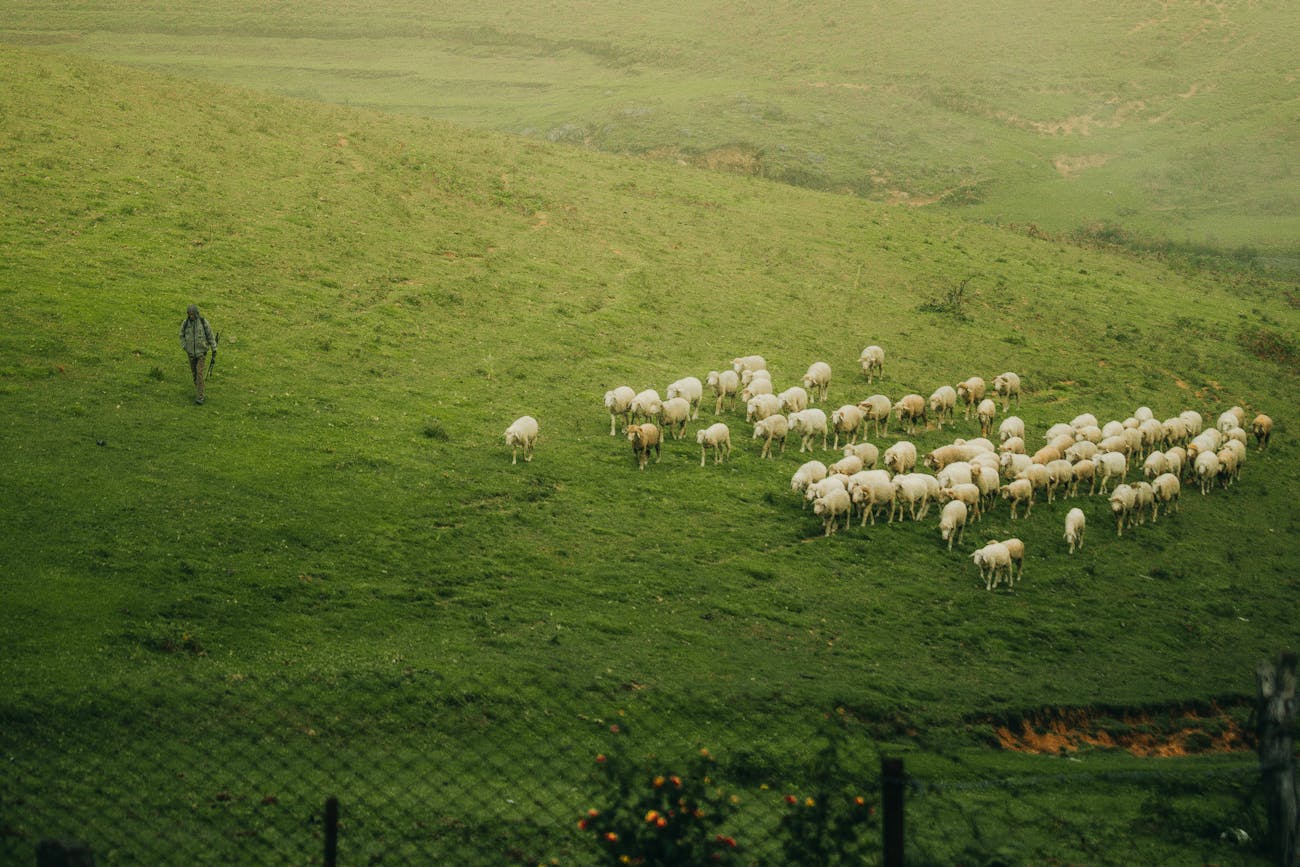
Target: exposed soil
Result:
[1151, 732]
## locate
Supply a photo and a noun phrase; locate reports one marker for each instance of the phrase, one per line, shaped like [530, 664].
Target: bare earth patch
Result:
[1067, 166]
[1178, 732]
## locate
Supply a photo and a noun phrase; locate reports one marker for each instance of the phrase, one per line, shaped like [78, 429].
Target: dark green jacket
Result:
[196, 336]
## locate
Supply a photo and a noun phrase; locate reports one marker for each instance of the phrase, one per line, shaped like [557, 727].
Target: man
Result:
[196, 340]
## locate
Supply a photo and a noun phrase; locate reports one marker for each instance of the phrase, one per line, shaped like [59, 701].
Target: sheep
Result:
[748, 362]
[1123, 500]
[1075, 523]
[987, 409]
[812, 471]
[1013, 464]
[716, 436]
[1229, 466]
[1012, 426]
[1007, 386]
[1084, 450]
[1085, 419]
[1156, 464]
[1112, 429]
[1084, 470]
[942, 403]
[955, 473]
[1040, 477]
[952, 522]
[1262, 428]
[817, 380]
[673, 415]
[900, 457]
[1206, 468]
[1110, 465]
[1144, 500]
[522, 434]
[970, 393]
[1230, 418]
[690, 388]
[986, 479]
[846, 420]
[1013, 444]
[619, 403]
[1176, 461]
[1060, 474]
[1046, 455]
[725, 384]
[1208, 440]
[822, 487]
[910, 409]
[1168, 490]
[1153, 434]
[761, 406]
[808, 424]
[994, 562]
[830, 507]
[942, 456]
[748, 376]
[644, 437]
[1173, 431]
[774, 427]
[910, 489]
[793, 399]
[755, 387]
[868, 453]
[1089, 434]
[646, 405]
[873, 489]
[968, 494]
[873, 362]
[1016, 492]
[1016, 550]
[876, 409]
[1060, 429]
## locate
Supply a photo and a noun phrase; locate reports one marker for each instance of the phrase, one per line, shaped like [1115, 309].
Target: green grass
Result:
[370, 273]
[1172, 121]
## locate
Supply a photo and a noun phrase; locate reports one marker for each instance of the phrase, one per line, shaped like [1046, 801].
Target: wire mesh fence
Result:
[238, 770]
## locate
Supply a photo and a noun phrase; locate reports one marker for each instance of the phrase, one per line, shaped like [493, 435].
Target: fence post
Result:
[892, 782]
[1275, 721]
[331, 832]
[64, 853]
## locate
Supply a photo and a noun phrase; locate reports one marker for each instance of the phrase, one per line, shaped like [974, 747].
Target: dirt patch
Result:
[1146, 733]
[1067, 166]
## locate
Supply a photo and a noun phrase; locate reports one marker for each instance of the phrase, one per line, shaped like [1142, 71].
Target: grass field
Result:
[391, 292]
[1173, 122]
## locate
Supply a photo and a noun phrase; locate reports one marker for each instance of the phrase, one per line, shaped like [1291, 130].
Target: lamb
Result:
[673, 415]
[812, 471]
[866, 452]
[1075, 523]
[942, 403]
[987, 409]
[644, 437]
[1007, 386]
[690, 388]
[970, 393]
[817, 380]
[748, 362]
[1123, 500]
[646, 405]
[522, 434]
[808, 424]
[873, 362]
[1110, 465]
[1012, 426]
[900, 457]
[793, 399]
[952, 522]
[994, 562]
[876, 409]
[619, 403]
[725, 383]
[830, 507]
[1016, 550]
[910, 409]
[846, 420]
[761, 406]
[1168, 490]
[718, 437]
[1207, 469]
[1017, 492]
[1262, 428]
[774, 427]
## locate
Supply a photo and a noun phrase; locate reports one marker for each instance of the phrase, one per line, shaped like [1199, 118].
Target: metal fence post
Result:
[331, 832]
[892, 781]
[1276, 719]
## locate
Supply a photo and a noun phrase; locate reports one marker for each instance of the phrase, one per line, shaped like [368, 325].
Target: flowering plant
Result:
[829, 827]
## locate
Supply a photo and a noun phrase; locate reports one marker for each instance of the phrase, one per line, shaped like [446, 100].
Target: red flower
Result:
[614, 728]
[789, 799]
[611, 837]
[600, 758]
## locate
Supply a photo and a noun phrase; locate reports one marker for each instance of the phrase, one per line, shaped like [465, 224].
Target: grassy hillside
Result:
[392, 292]
[1172, 122]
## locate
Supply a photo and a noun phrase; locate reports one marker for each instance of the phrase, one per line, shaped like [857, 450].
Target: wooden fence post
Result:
[892, 783]
[331, 832]
[1276, 716]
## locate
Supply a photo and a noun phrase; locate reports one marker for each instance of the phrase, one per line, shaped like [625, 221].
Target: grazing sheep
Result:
[1007, 386]
[1083, 450]
[793, 399]
[970, 393]
[910, 410]
[985, 412]
[1060, 429]
[1206, 468]
[824, 486]
[1017, 492]
[1176, 460]
[1060, 475]
[1123, 500]
[690, 388]
[942, 403]
[1173, 431]
[1039, 476]
[1156, 464]
[1085, 470]
[748, 362]
[748, 376]
[900, 457]
[967, 493]
[1046, 455]
[1153, 435]
[817, 380]
[673, 415]
[1144, 500]
[942, 456]
[831, 506]
[994, 562]
[876, 409]
[847, 420]
[1168, 491]
[1016, 549]
[873, 362]
[1228, 419]
[718, 437]
[1013, 465]
[1090, 434]
[725, 384]
[952, 522]
[986, 479]
[1262, 428]
[1110, 465]
[774, 427]
[910, 489]
[866, 452]
[872, 490]
[756, 386]
[646, 405]
[619, 403]
[808, 424]
[644, 437]
[1012, 426]
[812, 471]
[522, 434]
[761, 406]
[1075, 523]
[1083, 420]
[955, 473]
[1229, 466]
[847, 465]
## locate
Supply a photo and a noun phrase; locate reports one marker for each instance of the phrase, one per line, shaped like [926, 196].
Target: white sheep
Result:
[522, 434]
[1016, 492]
[873, 362]
[942, 403]
[793, 399]
[985, 413]
[1016, 550]
[1082, 420]
[756, 386]
[1156, 464]
[1207, 469]
[646, 405]
[761, 406]
[1012, 426]
[673, 415]
[872, 490]
[1229, 466]
[812, 471]
[847, 420]
[748, 362]
[900, 457]
[808, 424]
[847, 465]
[970, 393]
[1075, 523]
[1013, 464]
[774, 427]
[831, 506]
[1108, 466]
[952, 522]
[1228, 419]
[968, 494]
[994, 562]
[1085, 470]
[817, 380]
[876, 409]
[619, 403]
[1060, 475]
[716, 436]
[748, 376]
[1262, 428]
[868, 453]
[1168, 490]
[1144, 500]
[822, 487]
[1123, 501]
[644, 438]
[955, 473]
[690, 388]
[1007, 386]
[911, 490]
[725, 384]
[910, 410]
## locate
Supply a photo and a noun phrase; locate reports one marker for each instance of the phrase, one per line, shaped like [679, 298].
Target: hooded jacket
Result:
[196, 334]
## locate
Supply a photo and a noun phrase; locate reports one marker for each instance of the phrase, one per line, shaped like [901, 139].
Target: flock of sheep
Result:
[968, 476]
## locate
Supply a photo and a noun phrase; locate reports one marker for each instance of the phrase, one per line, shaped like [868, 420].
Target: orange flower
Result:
[600, 758]
[661, 822]
[860, 801]
[677, 781]
[659, 781]
[652, 815]
[810, 803]
[582, 824]
[611, 837]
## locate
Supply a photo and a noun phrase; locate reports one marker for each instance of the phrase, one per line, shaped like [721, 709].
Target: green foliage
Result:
[829, 825]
